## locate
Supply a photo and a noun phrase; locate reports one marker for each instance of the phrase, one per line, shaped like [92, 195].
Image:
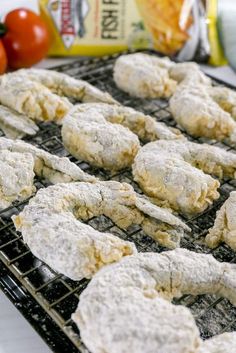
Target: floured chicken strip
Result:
[197, 106]
[15, 125]
[133, 322]
[193, 109]
[181, 71]
[125, 307]
[225, 97]
[20, 161]
[51, 225]
[146, 127]
[68, 86]
[224, 229]
[190, 72]
[51, 228]
[90, 137]
[31, 98]
[145, 76]
[16, 177]
[175, 171]
[55, 169]
[105, 135]
[224, 343]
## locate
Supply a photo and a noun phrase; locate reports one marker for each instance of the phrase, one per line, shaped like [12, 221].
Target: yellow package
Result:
[94, 27]
[217, 56]
[186, 29]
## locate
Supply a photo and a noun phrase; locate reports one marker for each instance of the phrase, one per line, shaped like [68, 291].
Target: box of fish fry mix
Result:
[185, 29]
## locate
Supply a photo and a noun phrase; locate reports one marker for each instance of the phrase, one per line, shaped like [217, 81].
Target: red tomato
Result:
[3, 59]
[26, 40]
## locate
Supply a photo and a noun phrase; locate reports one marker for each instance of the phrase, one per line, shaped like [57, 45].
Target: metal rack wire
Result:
[57, 295]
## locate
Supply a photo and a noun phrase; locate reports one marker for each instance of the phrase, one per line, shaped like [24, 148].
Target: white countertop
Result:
[16, 334]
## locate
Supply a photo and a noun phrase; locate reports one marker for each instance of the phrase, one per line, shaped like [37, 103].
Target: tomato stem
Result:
[3, 29]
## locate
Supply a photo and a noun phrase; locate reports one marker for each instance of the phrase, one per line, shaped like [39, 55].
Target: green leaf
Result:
[3, 29]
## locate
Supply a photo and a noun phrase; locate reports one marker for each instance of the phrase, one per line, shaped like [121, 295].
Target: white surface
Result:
[16, 334]
[8, 5]
[50, 62]
[224, 73]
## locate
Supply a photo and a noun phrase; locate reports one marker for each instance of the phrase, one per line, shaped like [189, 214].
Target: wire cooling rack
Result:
[48, 299]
